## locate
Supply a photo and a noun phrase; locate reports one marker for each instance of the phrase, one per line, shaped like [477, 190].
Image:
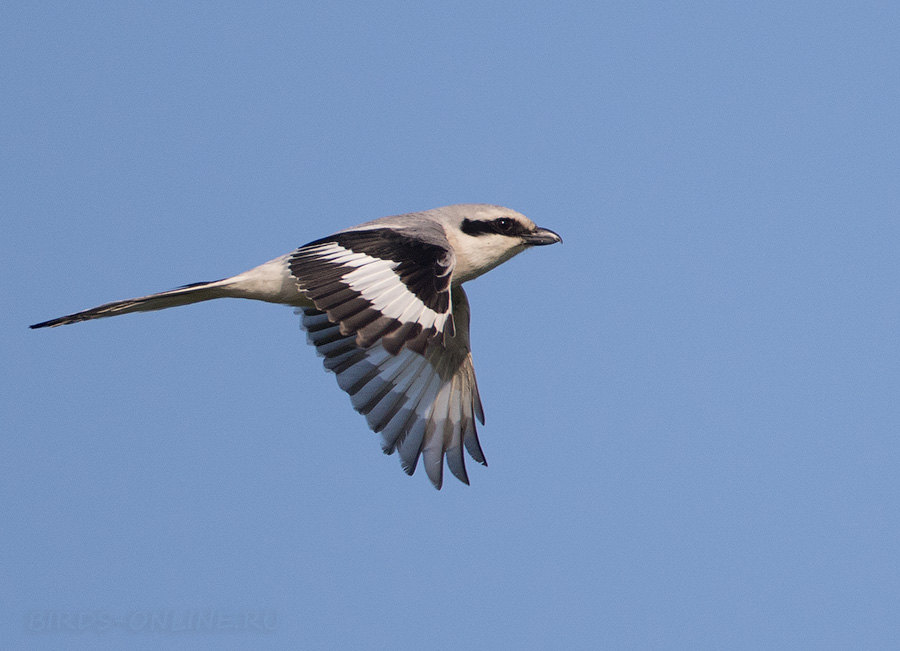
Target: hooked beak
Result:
[541, 236]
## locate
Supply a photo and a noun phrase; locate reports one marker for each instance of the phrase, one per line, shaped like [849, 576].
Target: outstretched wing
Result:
[424, 403]
[388, 325]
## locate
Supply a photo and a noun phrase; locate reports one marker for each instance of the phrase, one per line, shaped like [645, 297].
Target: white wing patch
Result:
[376, 281]
[402, 302]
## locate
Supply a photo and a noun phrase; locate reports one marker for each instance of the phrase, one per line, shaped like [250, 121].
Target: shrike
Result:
[384, 306]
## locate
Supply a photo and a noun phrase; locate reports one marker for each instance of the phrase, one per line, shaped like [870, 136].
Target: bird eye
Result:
[504, 224]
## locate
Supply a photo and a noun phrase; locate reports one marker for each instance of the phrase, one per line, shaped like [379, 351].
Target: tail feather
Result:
[185, 295]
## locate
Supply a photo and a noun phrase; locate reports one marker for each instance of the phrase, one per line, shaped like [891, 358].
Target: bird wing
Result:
[387, 324]
[381, 285]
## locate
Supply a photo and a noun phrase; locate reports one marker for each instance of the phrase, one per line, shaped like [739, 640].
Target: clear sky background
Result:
[693, 404]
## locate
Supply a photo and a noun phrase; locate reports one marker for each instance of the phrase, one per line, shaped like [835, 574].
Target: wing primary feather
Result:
[411, 446]
[453, 434]
[385, 411]
[433, 454]
[412, 441]
[472, 445]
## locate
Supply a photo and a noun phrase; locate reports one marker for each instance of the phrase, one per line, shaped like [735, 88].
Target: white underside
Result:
[271, 281]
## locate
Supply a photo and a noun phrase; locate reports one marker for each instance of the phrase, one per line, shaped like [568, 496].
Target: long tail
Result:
[186, 295]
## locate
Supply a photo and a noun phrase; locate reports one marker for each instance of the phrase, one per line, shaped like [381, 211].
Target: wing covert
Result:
[380, 285]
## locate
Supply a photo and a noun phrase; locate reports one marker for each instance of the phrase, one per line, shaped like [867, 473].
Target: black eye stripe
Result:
[499, 226]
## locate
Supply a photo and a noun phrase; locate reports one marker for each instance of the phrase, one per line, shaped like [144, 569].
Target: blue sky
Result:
[692, 404]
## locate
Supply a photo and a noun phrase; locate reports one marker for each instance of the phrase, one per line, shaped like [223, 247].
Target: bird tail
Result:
[185, 295]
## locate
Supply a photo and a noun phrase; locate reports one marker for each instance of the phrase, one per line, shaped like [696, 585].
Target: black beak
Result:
[541, 236]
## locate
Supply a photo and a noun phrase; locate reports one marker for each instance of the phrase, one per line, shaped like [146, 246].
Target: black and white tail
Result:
[271, 282]
[185, 295]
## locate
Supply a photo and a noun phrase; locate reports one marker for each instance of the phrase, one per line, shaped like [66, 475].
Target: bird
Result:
[383, 305]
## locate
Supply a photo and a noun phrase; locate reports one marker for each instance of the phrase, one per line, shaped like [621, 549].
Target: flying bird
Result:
[384, 306]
